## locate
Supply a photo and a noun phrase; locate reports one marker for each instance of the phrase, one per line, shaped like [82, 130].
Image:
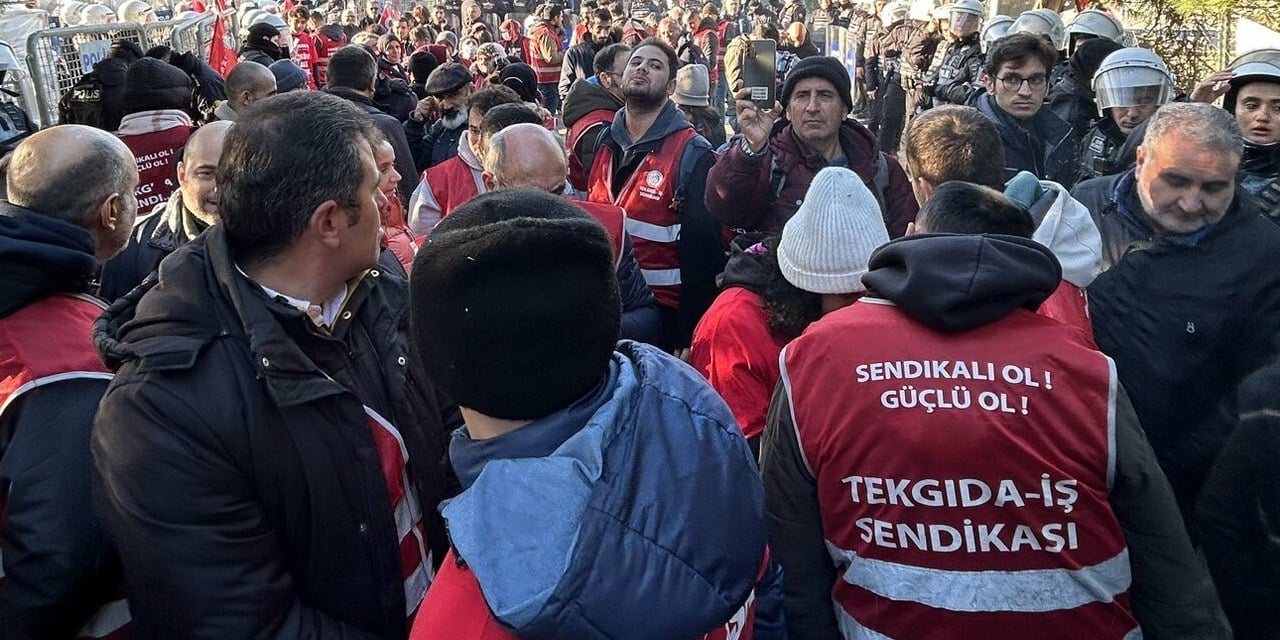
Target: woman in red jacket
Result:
[774, 287]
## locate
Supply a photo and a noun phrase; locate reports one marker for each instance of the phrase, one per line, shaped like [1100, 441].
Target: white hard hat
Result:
[96, 14]
[1042, 22]
[921, 10]
[69, 14]
[1262, 65]
[997, 27]
[894, 11]
[1131, 77]
[969, 6]
[134, 11]
[1097, 23]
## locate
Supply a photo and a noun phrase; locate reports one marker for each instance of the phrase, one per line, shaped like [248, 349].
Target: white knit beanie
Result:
[825, 246]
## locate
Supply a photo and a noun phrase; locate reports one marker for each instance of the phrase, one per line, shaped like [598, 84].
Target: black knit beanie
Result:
[154, 84]
[824, 67]
[516, 309]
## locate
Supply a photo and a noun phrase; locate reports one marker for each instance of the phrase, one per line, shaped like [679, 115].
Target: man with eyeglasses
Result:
[1036, 140]
[589, 109]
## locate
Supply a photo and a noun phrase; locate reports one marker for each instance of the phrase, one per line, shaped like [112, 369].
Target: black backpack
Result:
[82, 103]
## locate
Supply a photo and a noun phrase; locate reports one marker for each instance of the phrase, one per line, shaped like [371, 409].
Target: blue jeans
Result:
[550, 92]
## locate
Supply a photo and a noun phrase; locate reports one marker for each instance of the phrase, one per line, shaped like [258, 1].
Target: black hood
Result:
[40, 255]
[584, 97]
[955, 283]
[748, 265]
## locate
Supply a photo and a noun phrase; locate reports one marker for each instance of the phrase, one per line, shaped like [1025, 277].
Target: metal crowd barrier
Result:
[57, 58]
[194, 35]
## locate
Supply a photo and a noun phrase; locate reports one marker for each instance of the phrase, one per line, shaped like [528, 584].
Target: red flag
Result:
[222, 49]
[388, 18]
[288, 6]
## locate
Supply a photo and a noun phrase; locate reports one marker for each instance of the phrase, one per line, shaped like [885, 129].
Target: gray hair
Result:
[1208, 126]
[495, 157]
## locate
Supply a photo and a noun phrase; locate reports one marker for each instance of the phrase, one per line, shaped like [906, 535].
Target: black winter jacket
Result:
[237, 463]
[152, 239]
[1043, 145]
[1238, 513]
[1184, 322]
[58, 565]
[394, 132]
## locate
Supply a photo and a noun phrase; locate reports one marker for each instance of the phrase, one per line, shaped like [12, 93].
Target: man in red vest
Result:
[544, 49]
[529, 156]
[589, 108]
[653, 164]
[447, 185]
[58, 572]
[942, 462]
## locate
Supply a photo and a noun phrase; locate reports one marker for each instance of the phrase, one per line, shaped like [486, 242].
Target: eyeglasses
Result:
[1013, 83]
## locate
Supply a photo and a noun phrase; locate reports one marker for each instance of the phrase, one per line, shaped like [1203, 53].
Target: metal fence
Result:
[57, 58]
[194, 35]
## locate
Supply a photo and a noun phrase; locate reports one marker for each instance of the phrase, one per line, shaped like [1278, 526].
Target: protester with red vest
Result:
[653, 164]
[775, 287]
[577, 516]
[544, 49]
[58, 572]
[941, 462]
[589, 109]
[959, 143]
[157, 102]
[269, 450]
[532, 157]
[456, 180]
[325, 41]
[303, 42]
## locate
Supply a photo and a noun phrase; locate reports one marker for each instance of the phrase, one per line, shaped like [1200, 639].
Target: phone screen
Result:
[760, 72]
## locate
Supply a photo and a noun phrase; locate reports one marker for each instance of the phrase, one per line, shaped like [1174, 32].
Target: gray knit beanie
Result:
[825, 246]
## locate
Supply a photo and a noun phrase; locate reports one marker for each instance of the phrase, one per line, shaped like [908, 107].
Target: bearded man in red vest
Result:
[589, 107]
[652, 163]
[58, 574]
[942, 462]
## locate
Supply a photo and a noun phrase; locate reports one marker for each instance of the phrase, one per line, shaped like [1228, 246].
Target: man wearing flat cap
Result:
[447, 89]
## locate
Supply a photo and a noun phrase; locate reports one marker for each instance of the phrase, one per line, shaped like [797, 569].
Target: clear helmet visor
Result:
[963, 22]
[1133, 88]
[8, 61]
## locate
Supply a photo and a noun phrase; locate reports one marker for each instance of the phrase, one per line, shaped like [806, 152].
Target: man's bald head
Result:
[526, 155]
[248, 83]
[81, 175]
[197, 169]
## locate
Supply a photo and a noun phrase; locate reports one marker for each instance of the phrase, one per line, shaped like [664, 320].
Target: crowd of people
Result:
[490, 321]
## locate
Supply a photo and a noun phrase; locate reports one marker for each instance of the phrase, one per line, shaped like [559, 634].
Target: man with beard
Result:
[448, 88]
[1189, 301]
[579, 60]
[653, 164]
[189, 211]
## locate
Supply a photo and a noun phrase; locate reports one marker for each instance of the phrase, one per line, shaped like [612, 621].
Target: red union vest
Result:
[614, 220]
[548, 72]
[578, 173]
[653, 221]
[455, 608]
[453, 183]
[49, 341]
[948, 511]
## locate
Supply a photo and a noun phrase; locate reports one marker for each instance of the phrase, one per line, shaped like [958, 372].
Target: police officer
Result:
[918, 56]
[892, 46]
[1253, 97]
[1092, 24]
[1047, 24]
[962, 59]
[15, 124]
[995, 28]
[1130, 85]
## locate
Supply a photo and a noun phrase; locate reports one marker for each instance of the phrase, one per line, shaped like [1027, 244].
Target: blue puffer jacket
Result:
[645, 521]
